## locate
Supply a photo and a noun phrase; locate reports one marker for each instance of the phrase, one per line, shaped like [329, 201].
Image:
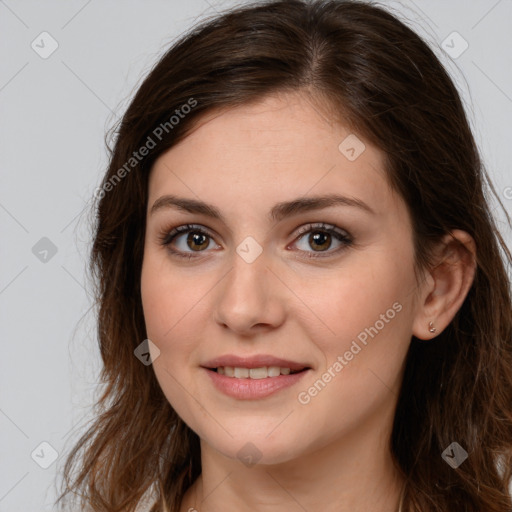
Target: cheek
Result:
[167, 326]
[174, 308]
[365, 313]
[369, 312]
[168, 298]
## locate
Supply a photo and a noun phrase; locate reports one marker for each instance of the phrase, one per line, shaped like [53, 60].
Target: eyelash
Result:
[167, 237]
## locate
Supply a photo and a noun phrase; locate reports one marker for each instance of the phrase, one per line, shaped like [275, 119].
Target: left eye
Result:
[321, 236]
[198, 239]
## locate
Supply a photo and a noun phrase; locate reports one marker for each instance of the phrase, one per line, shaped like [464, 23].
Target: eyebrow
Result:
[277, 213]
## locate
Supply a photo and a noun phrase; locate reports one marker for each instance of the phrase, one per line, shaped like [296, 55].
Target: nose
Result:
[251, 297]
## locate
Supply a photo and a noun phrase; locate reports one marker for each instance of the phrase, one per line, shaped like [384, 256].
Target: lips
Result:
[257, 361]
[255, 377]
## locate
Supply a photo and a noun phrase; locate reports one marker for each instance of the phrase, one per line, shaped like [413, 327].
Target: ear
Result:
[446, 284]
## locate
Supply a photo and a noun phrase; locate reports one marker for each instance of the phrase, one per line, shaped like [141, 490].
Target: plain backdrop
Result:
[67, 72]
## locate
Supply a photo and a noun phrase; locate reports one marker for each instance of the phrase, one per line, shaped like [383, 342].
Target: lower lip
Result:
[253, 389]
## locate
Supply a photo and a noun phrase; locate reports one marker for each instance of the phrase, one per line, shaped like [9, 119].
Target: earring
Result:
[431, 327]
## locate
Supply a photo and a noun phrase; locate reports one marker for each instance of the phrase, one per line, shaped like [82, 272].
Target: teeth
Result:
[258, 373]
[253, 373]
[241, 373]
[274, 371]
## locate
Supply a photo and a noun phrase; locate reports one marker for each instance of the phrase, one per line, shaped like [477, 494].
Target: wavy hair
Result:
[377, 76]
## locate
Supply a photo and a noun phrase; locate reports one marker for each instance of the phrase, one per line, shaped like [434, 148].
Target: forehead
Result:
[279, 148]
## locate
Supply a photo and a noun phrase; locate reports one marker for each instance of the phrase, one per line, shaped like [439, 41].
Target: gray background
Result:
[54, 112]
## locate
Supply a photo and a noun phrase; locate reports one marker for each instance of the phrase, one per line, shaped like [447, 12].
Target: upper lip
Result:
[257, 361]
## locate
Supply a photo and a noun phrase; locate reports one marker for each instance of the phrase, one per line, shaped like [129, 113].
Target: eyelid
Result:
[322, 226]
[166, 236]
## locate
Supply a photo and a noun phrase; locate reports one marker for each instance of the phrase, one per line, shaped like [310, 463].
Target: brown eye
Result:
[197, 240]
[321, 238]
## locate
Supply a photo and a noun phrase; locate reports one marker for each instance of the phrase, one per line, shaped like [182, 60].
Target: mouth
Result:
[259, 366]
[254, 377]
[255, 383]
[262, 372]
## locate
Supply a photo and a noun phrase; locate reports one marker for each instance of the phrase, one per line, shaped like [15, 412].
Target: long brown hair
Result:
[376, 75]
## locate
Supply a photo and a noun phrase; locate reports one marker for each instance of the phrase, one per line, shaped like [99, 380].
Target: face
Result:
[277, 279]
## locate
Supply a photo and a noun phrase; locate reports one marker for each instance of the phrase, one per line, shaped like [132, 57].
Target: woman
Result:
[243, 369]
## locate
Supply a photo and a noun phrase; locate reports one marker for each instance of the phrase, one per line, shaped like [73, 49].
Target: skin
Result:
[331, 454]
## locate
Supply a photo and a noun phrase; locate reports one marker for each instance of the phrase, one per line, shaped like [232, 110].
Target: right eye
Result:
[197, 237]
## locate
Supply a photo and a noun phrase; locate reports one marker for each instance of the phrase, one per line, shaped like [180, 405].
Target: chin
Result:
[252, 444]
[250, 451]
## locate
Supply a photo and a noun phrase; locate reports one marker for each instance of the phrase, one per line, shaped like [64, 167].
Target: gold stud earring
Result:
[431, 327]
